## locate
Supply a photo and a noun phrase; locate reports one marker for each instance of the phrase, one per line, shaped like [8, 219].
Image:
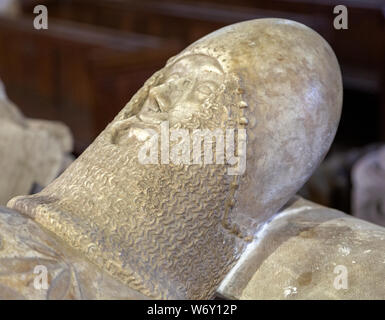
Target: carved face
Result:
[183, 91]
[183, 96]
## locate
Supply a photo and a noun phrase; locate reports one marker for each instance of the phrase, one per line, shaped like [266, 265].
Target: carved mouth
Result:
[153, 117]
[152, 112]
[155, 106]
[150, 116]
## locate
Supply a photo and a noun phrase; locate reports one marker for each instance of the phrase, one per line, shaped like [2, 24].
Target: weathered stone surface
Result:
[25, 246]
[302, 253]
[31, 151]
[144, 224]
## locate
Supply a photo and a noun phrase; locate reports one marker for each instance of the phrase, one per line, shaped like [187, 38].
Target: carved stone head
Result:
[173, 226]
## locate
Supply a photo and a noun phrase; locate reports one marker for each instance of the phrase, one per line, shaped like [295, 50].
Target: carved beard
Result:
[144, 224]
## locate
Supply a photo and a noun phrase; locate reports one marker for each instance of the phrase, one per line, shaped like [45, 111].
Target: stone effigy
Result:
[330, 185]
[131, 220]
[32, 152]
[368, 194]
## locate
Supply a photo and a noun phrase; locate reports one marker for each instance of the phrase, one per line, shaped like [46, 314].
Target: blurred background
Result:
[97, 53]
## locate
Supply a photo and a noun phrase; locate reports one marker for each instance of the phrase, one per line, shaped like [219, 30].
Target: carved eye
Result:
[173, 77]
[206, 88]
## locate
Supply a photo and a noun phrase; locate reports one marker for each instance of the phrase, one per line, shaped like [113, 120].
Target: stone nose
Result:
[166, 96]
[158, 99]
